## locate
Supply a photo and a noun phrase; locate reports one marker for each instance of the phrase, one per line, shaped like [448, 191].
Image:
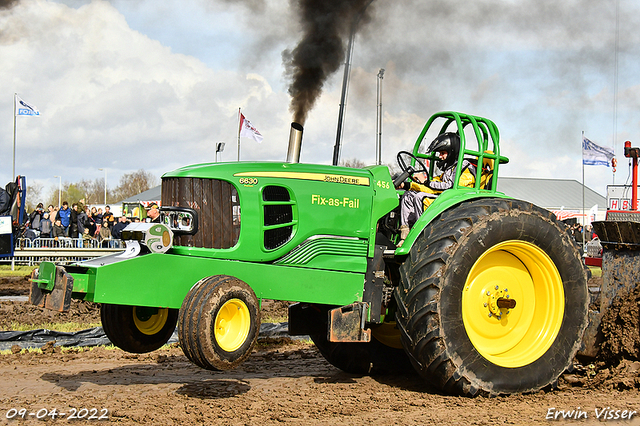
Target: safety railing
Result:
[61, 250]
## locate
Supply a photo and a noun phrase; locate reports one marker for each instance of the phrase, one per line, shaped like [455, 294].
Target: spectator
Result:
[64, 214]
[588, 233]
[116, 231]
[86, 238]
[58, 231]
[46, 226]
[52, 212]
[89, 222]
[154, 214]
[577, 232]
[73, 222]
[98, 216]
[104, 235]
[108, 216]
[35, 217]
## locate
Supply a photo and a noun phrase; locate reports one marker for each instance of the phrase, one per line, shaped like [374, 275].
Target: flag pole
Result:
[13, 172]
[583, 221]
[239, 127]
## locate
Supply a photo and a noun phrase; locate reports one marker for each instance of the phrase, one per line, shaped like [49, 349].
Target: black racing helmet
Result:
[449, 142]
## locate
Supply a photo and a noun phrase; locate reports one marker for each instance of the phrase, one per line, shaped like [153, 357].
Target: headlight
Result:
[156, 236]
[181, 220]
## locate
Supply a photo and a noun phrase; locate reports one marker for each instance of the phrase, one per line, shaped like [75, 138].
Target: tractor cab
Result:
[478, 152]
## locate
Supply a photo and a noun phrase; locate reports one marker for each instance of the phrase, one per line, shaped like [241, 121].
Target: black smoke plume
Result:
[6, 4]
[326, 27]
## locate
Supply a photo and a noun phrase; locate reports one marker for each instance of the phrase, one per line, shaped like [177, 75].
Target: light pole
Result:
[105, 185]
[59, 191]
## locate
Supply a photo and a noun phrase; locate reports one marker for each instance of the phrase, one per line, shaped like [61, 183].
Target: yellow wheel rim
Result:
[388, 334]
[232, 324]
[150, 320]
[513, 336]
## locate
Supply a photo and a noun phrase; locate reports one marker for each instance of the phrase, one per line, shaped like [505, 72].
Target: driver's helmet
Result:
[449, 142]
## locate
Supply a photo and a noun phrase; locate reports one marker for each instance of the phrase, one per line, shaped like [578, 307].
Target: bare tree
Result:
[353, 163]
[34, 194]
[88, 192]
[134, 183]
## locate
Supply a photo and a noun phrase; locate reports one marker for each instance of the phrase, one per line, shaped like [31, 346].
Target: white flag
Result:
[23, 108]
[596, 155]
[248, 131]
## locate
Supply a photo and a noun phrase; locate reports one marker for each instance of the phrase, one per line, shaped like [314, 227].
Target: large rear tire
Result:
[138, 329]
[219, 322]
[456, 299]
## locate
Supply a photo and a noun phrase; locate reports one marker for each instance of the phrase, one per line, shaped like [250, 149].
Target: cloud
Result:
[112, 97]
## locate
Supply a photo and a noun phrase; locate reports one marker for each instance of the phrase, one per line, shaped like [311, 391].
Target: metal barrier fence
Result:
[64, 250]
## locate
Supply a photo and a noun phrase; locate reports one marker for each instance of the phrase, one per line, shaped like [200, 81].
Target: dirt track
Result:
[282, 382]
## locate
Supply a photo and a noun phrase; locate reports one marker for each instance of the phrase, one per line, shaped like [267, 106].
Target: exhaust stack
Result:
[295, 142]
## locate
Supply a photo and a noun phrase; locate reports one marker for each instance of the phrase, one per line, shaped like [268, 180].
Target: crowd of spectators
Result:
[81, 222]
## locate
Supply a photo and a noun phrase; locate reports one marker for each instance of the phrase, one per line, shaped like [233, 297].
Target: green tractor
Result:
[486, 295]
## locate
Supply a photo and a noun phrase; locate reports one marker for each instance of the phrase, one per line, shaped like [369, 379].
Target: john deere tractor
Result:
[486, 295]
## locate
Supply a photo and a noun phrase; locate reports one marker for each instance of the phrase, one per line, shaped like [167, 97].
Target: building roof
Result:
[153, 195]
[552, 194]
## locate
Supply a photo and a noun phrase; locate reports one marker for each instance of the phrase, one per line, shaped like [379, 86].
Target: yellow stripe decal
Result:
[350, 180]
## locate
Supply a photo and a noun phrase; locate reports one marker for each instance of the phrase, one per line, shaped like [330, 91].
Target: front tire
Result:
[138, 329]
[456, 294]
[219, 322]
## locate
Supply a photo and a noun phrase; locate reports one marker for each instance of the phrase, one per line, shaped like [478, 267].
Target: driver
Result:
[419, 196]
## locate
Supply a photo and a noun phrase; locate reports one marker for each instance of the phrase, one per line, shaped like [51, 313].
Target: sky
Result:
[124, 85]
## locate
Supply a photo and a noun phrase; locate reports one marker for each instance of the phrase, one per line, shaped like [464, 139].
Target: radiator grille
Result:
[218, 208]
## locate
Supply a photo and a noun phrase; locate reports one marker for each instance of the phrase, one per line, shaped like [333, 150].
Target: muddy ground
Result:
[285, 382]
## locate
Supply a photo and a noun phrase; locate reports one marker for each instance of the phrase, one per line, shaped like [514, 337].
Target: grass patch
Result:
[19, 271]
[274, 318]
[67, 327]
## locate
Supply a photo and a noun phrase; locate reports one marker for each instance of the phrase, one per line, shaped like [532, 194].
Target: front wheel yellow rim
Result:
[232, 325]
[150, 321]
[520, 273]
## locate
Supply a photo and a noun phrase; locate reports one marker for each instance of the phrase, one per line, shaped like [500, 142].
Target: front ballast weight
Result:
[51, 287]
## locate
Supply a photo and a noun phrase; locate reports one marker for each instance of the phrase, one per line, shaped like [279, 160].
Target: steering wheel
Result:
[407, 169]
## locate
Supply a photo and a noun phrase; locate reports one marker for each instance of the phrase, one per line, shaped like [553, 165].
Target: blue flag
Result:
[596, 155]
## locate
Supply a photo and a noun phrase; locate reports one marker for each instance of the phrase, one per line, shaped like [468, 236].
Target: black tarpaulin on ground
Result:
[95, 337]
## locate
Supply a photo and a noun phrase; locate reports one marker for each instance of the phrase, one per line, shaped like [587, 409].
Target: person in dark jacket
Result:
[46, 226]
[36, 216]
[73, 222]
[116, 231]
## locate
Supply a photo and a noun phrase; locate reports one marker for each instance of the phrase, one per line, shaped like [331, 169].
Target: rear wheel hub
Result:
[513, 303]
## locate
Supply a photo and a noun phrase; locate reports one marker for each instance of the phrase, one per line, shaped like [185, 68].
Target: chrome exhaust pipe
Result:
[295, 142]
